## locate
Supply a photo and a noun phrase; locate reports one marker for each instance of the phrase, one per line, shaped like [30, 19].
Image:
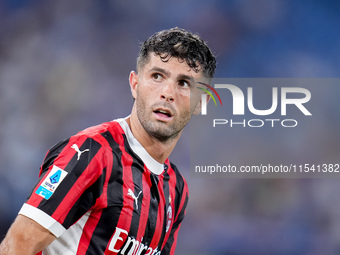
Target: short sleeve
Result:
[71, 180]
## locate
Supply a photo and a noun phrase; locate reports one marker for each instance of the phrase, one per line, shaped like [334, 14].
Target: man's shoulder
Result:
[98, 130]
[181, 187]
[180, 178]
[103, 135]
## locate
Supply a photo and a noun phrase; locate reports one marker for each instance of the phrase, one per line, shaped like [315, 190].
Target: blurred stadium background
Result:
[64, 66]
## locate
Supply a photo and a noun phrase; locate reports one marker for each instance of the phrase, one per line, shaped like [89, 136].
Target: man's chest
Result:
[137, 214]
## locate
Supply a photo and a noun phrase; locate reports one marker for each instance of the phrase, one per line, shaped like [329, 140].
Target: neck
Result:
[159, 150]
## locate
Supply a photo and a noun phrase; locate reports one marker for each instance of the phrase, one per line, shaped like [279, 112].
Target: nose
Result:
[168, 92]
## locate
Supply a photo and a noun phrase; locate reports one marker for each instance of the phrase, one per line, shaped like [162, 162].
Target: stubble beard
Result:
[164, 132]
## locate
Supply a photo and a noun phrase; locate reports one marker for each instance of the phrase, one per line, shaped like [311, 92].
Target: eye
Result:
[157, 77]
[184, 83]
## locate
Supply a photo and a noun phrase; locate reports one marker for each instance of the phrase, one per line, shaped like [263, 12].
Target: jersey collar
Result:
[154, 166]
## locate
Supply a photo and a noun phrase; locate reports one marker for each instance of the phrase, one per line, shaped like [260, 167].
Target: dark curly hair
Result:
[182, 44]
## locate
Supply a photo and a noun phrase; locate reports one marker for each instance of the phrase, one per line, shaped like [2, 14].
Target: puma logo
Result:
[76, 148]
[130, 193]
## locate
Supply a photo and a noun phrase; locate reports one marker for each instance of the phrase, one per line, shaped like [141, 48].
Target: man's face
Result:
[166, 96]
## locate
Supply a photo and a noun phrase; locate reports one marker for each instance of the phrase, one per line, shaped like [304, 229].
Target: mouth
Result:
[163, 114]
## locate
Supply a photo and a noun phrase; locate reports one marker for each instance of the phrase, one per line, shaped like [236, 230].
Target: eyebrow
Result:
[185, 77]
[160, 70]
[167, 73]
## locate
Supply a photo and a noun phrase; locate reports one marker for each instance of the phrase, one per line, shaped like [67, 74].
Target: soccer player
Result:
[111, 189]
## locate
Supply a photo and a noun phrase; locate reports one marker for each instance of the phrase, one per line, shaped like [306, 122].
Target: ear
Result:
[133, 79]
[199, 105]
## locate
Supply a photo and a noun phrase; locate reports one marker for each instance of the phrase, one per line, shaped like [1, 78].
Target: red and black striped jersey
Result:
[100, 192]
